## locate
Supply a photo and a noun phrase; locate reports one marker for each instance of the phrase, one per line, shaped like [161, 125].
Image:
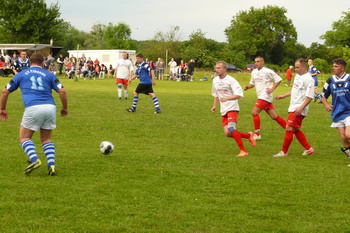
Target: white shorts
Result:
[341, 123]
[39, 117]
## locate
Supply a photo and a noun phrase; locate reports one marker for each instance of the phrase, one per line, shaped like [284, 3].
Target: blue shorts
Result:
[316, 80]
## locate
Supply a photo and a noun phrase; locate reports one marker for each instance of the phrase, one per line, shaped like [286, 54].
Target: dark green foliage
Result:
[340, 33]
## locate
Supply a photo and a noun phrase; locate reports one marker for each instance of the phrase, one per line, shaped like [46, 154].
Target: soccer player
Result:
[123, 72]
[22, 62]
[265, 81]
[227, 91]
[146, 76]
[301, 95]
[338, 86]
[313, 70]
[36, 85]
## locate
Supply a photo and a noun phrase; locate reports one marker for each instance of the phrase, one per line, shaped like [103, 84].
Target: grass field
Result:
[174, 171]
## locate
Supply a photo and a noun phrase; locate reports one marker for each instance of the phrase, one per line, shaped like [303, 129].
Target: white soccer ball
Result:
[106, 147]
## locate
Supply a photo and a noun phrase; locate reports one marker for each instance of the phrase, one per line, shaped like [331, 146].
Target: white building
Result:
[105, 57]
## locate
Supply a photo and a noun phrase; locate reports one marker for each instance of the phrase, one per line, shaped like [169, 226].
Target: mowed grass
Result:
[174, 171]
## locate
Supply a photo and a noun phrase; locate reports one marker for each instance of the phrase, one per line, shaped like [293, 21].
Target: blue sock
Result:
[49, 151]
[134, 102]
[156, 104]
[29, 147]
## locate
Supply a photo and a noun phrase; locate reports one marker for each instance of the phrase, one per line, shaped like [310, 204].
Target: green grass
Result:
[174, 171]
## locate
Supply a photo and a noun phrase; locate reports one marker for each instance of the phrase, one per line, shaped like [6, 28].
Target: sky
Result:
[311, 18]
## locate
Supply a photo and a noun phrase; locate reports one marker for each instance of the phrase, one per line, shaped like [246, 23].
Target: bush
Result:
[323, 65]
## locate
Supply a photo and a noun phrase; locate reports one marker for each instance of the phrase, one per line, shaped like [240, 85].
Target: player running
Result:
[146, 76]
[227, 91]
[338, 86]
[36, 85]
[301, 95]
[265, 81]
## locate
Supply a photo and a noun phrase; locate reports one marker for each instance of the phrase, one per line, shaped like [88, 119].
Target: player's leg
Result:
[49, 150]
[155, 102]
[28, 146]
[134, 102]
[288, 138]
[256, 120]
[272, 113]
[343, 133]
[125, 85]
[120, 88]
[317, 96]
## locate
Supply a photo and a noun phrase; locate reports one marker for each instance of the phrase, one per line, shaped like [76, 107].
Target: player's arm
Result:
[325, 94]
[232, 97]
[64, 99]
[216, 100]
[301, 108]
[3, 102]
[133, 77]
[283, 96]
[275, 85]
[249, 86]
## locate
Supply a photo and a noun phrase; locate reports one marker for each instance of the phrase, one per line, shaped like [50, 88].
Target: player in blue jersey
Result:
[313, 70]
[146, 76]
[36, 85]
[338, 86]
[22, 62]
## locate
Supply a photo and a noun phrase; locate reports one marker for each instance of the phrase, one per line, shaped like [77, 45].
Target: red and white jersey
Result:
[263, 79]
[225, 87]
[303, 87]
[124, 67]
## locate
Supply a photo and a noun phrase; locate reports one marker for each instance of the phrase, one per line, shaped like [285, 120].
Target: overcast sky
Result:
[311, 18]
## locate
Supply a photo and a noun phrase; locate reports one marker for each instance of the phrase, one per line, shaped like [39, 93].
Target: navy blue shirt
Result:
[22, 64]
[143, 72]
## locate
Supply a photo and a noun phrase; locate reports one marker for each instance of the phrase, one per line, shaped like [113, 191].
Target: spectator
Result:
[110, 71]
[60, 61]
[52, 68]
[103, 71]
[289, 75]
[172, 64]
[191, 64]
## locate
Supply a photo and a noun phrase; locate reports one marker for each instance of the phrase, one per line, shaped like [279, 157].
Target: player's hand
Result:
[298, 112]
[64, 112]
[129, 81]
[279, 97]
[246, 88]
[153, 83]
[213, 109]
[329, 107]
[269, 90]
[3, 115]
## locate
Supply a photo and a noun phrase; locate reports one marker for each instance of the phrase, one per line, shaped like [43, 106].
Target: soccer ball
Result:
[106, 147]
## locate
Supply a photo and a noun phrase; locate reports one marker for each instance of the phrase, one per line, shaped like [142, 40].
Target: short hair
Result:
[260, 57]
[223, 63]
[302, 61]
[23, 51]
[36, 58]
[140, 55]
[339, 61]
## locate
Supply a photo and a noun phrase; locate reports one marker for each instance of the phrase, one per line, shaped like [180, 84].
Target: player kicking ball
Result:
[227, 91]
[301, 95]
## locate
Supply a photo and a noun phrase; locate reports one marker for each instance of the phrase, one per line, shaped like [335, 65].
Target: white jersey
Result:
[263, 79]
[303, 87]
[225, 87]
[124, 67]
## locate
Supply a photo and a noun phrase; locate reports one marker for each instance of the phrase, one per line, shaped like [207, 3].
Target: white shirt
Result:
[263, 79]
[172, 65]
[124, 67]
[303, 87]
[225, 87]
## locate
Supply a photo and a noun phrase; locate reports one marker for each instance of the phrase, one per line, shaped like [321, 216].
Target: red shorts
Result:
[122, 81]
[231, 116]
[264, 105]
[294, 121]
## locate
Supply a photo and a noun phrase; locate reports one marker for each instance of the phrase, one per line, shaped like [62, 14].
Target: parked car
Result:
[250, 67]
[231, 67]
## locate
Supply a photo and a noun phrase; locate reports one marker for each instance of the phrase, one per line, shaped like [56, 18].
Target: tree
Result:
[24, 21]
[266, 32]
[340, 33]
[169, 40]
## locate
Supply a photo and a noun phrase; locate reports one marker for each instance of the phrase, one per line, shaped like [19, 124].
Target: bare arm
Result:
[327, 105]
[248, 87]
[153, 80]
[301, 108]
[3, 102]
[283, 96]
[232, 97]
[275, 85]
[64, 99]
[216, 100]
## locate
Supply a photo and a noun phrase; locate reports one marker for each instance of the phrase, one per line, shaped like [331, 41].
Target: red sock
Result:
[288, 138]
[256, 119]
[244, 135]
[237, 136]
[302, 139]
[281, 122]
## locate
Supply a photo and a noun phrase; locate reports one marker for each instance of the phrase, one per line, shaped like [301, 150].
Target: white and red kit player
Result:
[123, 71]
[301, 95]
[227, 91]
[265, 81]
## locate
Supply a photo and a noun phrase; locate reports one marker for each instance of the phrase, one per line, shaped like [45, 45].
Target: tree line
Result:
[263, 31]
